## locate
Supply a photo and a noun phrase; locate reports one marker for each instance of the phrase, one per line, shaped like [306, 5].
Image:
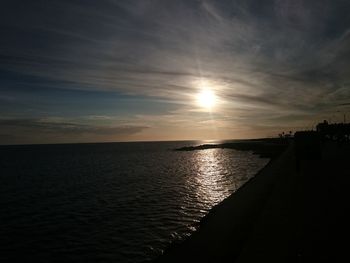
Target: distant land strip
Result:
[265, 148]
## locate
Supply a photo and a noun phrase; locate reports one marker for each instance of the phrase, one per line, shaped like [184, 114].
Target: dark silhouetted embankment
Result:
[283, 214]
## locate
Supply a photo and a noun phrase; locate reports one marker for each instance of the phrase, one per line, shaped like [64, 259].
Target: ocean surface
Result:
[110, 202]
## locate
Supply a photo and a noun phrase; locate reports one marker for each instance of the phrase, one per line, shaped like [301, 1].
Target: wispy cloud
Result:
[291, 56]
[46, 130]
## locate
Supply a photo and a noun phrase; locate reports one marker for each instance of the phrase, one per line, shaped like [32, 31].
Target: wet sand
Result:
[281, 215]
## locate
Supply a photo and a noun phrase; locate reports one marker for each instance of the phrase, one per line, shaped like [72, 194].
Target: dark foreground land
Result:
[287, 213]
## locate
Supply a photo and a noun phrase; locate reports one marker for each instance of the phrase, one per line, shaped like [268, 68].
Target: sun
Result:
[206, 99]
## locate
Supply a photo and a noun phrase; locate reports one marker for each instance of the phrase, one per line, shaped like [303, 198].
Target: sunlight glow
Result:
[210, 176]
[206, 99]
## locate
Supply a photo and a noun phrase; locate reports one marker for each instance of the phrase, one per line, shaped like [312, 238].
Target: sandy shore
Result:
[280, 215]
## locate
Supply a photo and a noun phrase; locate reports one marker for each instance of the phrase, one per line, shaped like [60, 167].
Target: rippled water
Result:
[115, 202]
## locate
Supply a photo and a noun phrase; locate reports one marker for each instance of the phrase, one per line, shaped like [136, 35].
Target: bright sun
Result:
[206, 99]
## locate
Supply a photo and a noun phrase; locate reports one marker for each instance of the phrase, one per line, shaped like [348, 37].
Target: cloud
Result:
[345, 104]
[24, 130]
[68, 127]
[259, 56]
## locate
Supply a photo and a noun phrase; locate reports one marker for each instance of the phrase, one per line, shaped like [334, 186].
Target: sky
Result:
[114, 70]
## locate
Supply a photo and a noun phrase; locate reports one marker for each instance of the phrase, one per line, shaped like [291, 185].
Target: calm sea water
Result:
[113, 202]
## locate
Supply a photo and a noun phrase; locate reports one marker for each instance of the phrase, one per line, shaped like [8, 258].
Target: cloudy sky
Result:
[114, 70]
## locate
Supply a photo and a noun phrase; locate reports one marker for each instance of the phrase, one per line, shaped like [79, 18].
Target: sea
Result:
[110, 202]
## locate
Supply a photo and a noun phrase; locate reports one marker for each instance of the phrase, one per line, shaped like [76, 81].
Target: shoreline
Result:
[265, 148]
[235, 214]
[288, 212]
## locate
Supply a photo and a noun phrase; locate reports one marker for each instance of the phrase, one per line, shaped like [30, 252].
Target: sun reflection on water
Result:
[210, 177]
